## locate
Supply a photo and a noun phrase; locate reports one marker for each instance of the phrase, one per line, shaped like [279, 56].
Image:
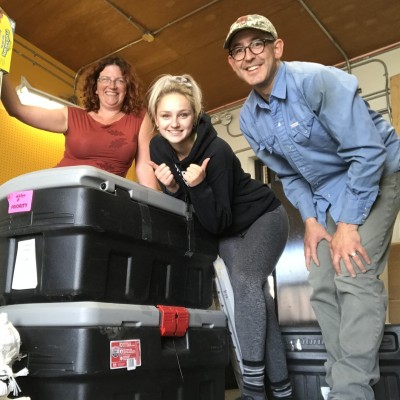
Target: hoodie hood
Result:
[205, 135]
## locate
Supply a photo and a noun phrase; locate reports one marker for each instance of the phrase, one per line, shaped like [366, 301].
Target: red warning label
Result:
[125, 354]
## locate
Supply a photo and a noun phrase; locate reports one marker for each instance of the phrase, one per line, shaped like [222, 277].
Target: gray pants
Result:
[351, 311]
[250, 258]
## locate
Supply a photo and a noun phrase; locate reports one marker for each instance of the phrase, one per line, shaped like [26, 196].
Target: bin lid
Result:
[91, 313]
[93, 177]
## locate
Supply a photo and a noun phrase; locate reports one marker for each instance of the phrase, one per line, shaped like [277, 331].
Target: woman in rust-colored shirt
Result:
[112, 129]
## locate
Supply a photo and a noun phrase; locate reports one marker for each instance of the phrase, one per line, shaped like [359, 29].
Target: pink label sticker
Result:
[125, 354]
[20, 201]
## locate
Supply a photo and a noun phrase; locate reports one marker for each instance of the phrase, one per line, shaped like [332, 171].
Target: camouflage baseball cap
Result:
[254, 21]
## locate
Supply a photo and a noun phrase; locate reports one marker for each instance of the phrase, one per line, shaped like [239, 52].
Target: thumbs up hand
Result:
[195, 174]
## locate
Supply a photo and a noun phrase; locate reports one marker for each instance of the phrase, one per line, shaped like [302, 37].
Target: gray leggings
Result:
[250, 258]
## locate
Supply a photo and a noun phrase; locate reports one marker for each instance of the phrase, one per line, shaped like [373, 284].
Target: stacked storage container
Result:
[85, 258]
[306, 356]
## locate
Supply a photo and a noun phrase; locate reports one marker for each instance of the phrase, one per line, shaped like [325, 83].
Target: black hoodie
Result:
[228, 201]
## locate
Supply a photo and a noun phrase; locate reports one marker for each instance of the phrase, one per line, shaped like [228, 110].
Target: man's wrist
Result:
[346, 226]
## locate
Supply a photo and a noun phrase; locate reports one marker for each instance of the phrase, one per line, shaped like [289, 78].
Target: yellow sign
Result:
[7, 28]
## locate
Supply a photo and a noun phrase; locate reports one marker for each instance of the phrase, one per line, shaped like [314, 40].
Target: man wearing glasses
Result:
[339, 164]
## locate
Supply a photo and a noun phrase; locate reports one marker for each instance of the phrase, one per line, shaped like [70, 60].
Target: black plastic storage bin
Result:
[306, 356]
[79, 233]
[105, 351]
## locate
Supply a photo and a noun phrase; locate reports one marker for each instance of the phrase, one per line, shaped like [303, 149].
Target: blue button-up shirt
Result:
[326, 145]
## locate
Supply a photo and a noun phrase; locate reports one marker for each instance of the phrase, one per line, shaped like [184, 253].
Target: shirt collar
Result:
[278, 91]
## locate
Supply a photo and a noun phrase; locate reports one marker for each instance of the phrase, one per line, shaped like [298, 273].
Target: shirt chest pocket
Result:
[309, 133]
[263, 135]
[301, 130]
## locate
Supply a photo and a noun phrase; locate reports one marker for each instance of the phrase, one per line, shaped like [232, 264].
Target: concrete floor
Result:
[232, 394]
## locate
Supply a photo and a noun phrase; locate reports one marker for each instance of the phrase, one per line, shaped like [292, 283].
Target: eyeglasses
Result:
[257, 46]
[106, 80]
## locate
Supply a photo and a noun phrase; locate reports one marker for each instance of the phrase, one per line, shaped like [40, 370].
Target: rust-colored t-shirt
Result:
[109, 147]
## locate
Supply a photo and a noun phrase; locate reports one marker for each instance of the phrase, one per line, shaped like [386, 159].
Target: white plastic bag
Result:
[10, 343]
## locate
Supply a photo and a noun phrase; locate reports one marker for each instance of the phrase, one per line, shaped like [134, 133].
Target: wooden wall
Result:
[395, 100]
[394, 257]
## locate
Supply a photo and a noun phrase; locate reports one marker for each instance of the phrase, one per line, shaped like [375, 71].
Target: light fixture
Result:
[35, 97]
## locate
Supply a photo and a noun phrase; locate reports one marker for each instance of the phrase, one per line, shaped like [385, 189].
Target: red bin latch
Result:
[174, 321]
